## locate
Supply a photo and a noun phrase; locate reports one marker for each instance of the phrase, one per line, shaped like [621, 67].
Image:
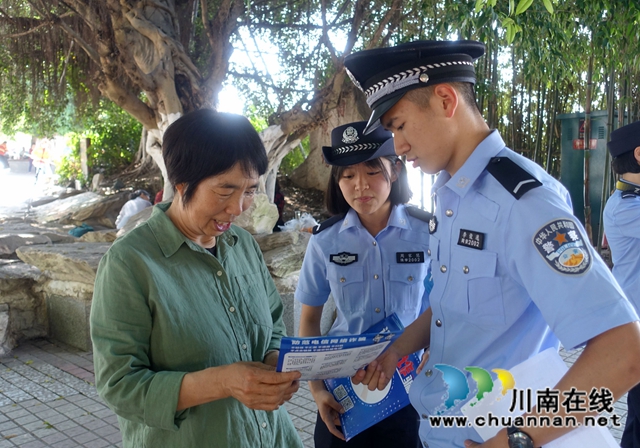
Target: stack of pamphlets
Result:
[336, 359]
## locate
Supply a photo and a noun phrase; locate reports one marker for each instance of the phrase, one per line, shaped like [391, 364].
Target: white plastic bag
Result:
[305, 223]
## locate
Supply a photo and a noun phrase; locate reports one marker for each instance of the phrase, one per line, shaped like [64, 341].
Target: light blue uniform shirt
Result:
[622, 225]
[517, 291]
[370, 277]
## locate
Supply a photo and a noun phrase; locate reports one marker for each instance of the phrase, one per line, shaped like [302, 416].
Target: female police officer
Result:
[371, 256]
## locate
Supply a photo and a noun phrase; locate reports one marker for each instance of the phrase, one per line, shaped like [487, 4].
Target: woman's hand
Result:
[259, 386]
[329, 410]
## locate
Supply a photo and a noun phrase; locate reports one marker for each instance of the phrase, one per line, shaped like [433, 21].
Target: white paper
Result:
[537, 373]
[320, 365]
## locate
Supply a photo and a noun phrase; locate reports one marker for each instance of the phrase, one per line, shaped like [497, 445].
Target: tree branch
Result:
[129, 102]
[91, 52]
[325, 35]
[388, 19]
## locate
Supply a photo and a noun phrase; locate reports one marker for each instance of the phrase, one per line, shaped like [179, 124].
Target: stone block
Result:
[286, 259]
[7, 337]
[25, 314]
[67, 262]
[87, 207]
[276, 240]
[260, 218]
[69, 321]
[99, 236]
[9, 243]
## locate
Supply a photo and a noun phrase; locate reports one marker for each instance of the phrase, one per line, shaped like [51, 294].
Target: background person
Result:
[512, 271]
[372, 257]
[4, 157]
[186, 321]
[622, 225]
[138, 201]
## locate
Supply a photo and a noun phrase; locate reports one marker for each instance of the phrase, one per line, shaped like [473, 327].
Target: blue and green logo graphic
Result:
[458, 385]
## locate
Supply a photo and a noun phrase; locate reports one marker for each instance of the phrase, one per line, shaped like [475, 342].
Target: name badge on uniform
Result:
[410, 257]
[471, 238]
[343, 258]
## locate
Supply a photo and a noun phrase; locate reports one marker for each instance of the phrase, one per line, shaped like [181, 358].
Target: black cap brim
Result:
[380, 110]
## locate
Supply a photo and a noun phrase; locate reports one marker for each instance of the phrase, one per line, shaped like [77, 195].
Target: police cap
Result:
[350, 146]
[624, 139]
[386, 74]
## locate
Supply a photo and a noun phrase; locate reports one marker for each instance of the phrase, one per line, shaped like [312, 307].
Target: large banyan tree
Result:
[159, 59]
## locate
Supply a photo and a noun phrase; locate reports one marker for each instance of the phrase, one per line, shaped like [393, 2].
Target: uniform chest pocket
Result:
[407, 285]
[476, 270]
[348, 287]
[253, 296]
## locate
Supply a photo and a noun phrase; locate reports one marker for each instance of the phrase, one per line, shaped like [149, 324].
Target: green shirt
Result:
[164, 306]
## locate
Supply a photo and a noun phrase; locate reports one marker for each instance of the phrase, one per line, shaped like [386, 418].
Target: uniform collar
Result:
[397, 218]
[462, 180]
[170, 239]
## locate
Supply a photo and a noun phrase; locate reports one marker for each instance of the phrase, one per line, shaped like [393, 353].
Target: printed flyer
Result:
[325, 357]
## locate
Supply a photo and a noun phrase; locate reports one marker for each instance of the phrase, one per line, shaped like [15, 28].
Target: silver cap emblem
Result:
[350, 135]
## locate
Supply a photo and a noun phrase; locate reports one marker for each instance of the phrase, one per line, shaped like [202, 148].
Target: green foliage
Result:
[295, 158]
[258, 120]
[114, 136]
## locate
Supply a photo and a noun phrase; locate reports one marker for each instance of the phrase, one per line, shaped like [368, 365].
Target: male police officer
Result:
[622, 225]
[513, 273]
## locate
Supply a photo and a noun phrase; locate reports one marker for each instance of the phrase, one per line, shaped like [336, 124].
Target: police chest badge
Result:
[563, 247]
[433, 224]
[343, 258]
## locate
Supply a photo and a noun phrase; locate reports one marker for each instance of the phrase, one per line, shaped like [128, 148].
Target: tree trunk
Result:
[542, 92]
[587, 148]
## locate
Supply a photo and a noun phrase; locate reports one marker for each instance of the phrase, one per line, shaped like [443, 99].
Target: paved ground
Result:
[47, 399]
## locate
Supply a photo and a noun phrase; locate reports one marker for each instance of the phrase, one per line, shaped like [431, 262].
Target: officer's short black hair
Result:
[422, 95]
[400, 190]
[205, 143]
[625, 163]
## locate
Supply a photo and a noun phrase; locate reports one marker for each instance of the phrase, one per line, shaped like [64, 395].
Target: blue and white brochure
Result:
[325, 357]
[364, 408]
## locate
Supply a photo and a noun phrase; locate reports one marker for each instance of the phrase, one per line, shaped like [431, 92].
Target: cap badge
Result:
[350, 135]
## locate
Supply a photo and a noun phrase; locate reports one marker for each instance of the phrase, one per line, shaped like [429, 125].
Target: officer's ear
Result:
[447, 98]
[636, 154]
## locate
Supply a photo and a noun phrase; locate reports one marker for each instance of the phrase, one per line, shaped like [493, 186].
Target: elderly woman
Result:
[186, 321]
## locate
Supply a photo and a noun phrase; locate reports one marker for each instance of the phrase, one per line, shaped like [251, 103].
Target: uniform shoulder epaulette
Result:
[418, 213]
[512, 176]
[328, 223]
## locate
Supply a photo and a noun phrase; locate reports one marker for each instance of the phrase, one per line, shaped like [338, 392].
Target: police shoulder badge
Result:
[563, 247]
[343, 258]
[350, 135]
